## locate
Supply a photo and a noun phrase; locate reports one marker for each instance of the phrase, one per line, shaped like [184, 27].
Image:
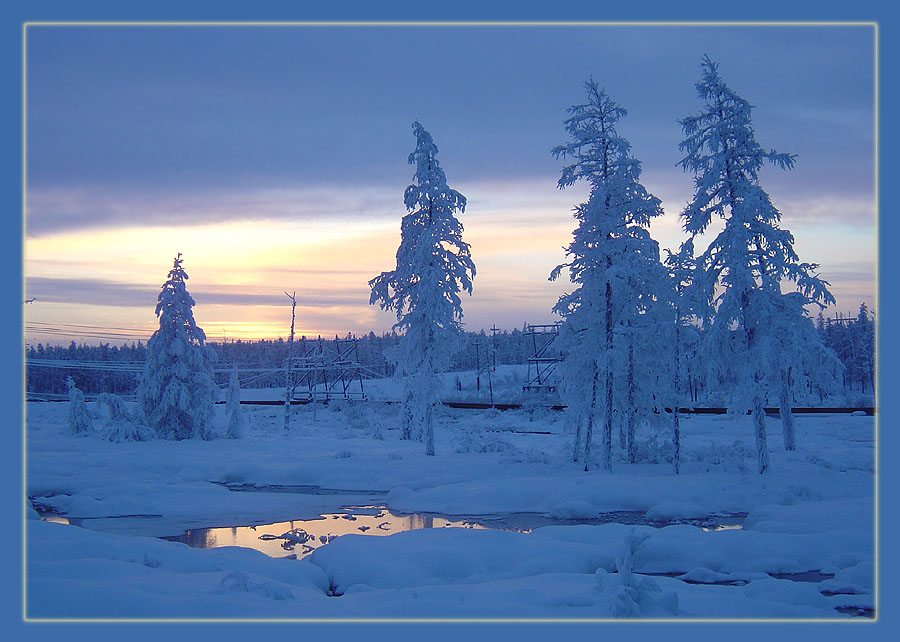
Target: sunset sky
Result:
[274, 158]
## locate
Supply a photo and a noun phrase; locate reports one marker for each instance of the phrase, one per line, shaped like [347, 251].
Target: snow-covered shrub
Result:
[626, 595]
[79, 417]
[121, 426]
[723, 458]
[355, 415]
[653, 450]
[479, 442]
[177, 393]
[115, 406]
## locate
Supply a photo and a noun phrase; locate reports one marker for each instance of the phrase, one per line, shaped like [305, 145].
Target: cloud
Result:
[56, 210]
[106, 292]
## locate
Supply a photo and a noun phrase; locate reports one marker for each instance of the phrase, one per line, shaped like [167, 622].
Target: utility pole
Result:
[495, 332]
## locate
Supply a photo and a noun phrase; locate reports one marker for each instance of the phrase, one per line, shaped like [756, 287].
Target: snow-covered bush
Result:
[626, 595]
[121, 426]
[115, 406]
[480, 442]
[530, 455]
[122, 431]
[79, 417]
[177, 393]
[355, 415]
[653, 450]
[722, 458]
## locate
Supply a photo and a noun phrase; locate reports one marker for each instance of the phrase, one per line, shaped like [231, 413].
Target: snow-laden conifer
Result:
[177, 392]
[611, 259]
[233, 407]
[79, 417]
[434, 266]
[741, 271]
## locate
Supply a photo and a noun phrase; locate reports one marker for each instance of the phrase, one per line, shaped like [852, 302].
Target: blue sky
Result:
[274, 158]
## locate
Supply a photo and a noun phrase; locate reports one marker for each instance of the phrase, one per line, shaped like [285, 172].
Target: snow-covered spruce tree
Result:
[79, 417]
[741, 271]
[177, 392]
[434, 265]
[862, 333]
[233, 407]
[609, 259]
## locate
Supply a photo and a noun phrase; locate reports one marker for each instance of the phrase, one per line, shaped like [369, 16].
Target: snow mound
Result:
[574, 509]
[449, 556]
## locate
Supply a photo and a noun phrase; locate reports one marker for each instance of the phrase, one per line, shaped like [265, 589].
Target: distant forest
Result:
[117, 369]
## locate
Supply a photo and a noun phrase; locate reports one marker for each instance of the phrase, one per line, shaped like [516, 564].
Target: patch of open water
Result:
[299, 537]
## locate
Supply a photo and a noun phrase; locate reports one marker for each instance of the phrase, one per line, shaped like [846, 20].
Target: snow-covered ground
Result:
[806, 547]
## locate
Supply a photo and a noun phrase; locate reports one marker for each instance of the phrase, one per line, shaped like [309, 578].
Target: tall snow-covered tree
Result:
[177, 390]
[79, 417]
[741, 271]
[611, 259]
[434, 265]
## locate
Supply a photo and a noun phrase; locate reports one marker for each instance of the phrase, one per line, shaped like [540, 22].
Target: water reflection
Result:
[298, 538]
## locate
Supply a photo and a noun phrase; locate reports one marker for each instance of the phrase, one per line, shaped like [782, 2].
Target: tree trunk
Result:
[592, 412]
[759, 422]
[630, 417]
[288, 364]
[287, 394]
[787, 418]
[429, 429]
[406, 413]
[577, 419]
[676, 383]
[607, 423]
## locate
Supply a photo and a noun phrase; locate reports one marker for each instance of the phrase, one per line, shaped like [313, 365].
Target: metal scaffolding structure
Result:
[325, 370]
[544, 357]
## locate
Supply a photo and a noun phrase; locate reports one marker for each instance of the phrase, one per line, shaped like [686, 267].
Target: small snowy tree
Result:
[177, 392]
[795, 350]
[233, 407]
[79, 417]
[681, 267]
[741, 271]
[611, 259]
[434, 265]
